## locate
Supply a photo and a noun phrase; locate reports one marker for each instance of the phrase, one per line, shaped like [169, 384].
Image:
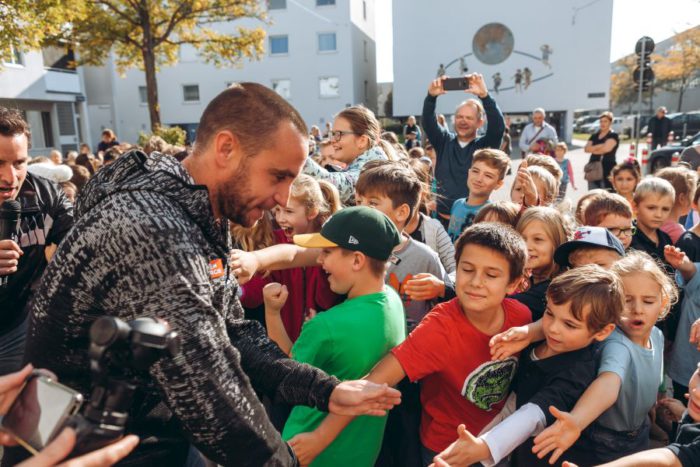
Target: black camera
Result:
[120, 356]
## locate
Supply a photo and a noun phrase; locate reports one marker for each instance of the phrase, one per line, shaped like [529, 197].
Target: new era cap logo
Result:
[353, 241]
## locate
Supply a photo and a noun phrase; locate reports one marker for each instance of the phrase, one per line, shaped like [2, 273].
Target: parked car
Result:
[618, 126]
[583, 121]
[685, 150]
[682, 124]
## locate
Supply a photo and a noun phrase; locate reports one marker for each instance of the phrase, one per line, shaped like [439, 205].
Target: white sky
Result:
[632, 19]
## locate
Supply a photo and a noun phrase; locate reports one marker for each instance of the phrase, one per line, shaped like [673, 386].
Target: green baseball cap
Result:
[357, 228]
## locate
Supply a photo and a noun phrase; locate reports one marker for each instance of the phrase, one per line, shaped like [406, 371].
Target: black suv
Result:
[684, 150]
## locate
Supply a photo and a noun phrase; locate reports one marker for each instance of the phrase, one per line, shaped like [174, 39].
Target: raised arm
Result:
[245, 264]
[435, 133]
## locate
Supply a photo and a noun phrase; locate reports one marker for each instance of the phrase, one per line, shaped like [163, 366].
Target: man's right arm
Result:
[436, 134]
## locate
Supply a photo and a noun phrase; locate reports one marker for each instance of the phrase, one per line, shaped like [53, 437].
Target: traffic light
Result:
[643, 73]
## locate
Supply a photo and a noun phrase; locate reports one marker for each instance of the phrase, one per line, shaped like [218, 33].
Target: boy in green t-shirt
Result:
[350, 338]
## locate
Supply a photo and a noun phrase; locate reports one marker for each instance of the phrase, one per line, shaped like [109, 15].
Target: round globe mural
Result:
[493, 43]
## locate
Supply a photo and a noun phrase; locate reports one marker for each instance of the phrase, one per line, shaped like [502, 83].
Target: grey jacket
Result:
[142, 245]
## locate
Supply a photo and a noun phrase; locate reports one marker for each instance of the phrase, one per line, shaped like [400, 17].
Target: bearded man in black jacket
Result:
[151, 238]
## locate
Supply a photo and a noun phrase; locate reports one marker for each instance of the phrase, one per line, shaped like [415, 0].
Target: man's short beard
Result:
[232, 198]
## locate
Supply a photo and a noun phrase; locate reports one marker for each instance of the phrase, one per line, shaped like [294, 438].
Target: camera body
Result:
[120, 356]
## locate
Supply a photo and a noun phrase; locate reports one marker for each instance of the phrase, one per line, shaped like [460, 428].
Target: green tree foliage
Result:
[172, 135]
[679, 65]
[623, 90]
[148, 34]
[27, 24]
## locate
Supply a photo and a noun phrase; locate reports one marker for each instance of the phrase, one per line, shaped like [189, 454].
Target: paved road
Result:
[578, 158]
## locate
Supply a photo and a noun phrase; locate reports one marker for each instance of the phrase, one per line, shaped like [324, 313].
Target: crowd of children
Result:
[527, 332]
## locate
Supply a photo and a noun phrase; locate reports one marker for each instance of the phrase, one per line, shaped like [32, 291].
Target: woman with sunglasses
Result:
[356, 141]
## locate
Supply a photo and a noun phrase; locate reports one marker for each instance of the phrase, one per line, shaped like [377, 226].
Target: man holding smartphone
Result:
[455, 150]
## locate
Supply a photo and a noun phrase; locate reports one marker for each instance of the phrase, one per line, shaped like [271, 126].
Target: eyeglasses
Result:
[337, 134]
[624, 232]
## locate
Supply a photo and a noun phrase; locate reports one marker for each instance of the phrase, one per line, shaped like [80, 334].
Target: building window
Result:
[276, 4]
[329, 86]
[364, 9]
[48, 129]
[325, 2]
[364, 48]
[283, 87]
[326, 42]
[190, 92]
[16, 57]
[279, 45]
[143, 95]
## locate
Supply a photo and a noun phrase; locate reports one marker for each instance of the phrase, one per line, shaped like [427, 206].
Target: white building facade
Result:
[51, 96]
[319, 55]
[541, 53]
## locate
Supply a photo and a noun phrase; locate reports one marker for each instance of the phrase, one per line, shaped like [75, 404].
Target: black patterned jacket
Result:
[143, 244]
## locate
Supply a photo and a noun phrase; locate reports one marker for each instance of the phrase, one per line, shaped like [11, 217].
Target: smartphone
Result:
[456, 84]
[40, 411]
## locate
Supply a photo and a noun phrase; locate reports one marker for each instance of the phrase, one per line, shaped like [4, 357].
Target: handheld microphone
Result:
[10, 214]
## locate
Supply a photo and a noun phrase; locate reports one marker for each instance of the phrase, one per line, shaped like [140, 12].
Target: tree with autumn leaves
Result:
[680, 64]
[144, 34]
[674, 69]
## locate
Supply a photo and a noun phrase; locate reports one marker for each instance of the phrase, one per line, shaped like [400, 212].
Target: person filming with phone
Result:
[10, 387]
[455, 150]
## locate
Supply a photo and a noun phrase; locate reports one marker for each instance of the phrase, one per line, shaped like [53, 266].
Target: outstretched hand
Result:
[675, 256]
[307, 446]
[558, 437]
[244, 265]
[509, 342]
[362, 397]
[695, 333]
[467, 450]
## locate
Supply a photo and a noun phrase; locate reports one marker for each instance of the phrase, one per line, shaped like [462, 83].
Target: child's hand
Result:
[558, 437]
[695, 333]
[311, 314]
[525, 180]
[307, 446]
[674, 406]
[466, 450]
[275, 296]
[524, 283]
[509, 343]
[244, 265]
[674, 256]
[424, 286]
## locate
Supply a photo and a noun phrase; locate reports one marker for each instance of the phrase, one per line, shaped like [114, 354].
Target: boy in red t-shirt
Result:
[449, 350]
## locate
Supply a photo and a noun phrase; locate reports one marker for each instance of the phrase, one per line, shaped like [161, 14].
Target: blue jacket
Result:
[453, 161]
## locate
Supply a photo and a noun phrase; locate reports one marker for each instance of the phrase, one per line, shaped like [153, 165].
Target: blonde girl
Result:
[543, 229]
[310, 204]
